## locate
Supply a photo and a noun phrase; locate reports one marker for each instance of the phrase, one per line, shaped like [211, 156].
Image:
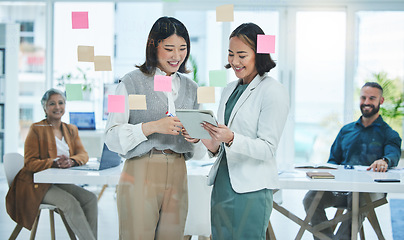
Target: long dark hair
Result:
[247, 33]
[163, 28]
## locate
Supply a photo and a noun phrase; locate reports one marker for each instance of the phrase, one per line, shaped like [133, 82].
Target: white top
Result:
[62, 147]
[131, 135]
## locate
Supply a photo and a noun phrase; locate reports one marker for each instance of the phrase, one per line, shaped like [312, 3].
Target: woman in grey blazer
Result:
[252, 114]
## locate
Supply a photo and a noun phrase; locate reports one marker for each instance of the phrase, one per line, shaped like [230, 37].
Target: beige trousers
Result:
[79, 206]
[152, 198]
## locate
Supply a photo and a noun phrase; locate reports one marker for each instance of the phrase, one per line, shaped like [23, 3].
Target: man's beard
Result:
[372, 112]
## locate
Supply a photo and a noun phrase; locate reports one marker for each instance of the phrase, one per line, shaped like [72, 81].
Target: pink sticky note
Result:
[80, 20]
[265, 43]
[116, 103]
[162, 83]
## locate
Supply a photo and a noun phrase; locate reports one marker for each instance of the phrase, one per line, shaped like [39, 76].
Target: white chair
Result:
[13, 162]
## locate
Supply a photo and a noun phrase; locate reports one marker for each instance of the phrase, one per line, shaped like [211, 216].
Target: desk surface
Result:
[108, 176]
[356, 180]
[56, 175]
[198, 219]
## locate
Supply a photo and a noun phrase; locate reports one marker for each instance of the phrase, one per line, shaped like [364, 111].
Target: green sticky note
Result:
[74, 92]
[217, 78]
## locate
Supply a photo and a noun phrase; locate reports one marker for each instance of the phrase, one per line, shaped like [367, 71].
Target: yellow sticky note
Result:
[206, 95]
[225, 13]
[85, 53]
[137, 102]
[102, 63]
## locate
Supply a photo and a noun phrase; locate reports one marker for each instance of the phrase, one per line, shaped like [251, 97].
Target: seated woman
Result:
[53, 143]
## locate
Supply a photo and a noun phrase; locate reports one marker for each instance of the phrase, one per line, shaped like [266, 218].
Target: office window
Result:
[26, 26]
[27, 32]
[380, 47]
[133, 22]
[320, 76]
[268, 21]
[67, 69]
[118, 30]
[206, 48]
[32, 61]
[26, 116]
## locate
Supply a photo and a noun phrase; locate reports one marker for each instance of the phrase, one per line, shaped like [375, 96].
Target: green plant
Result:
[79, 77]
[195, 70]
[392, 109]
[87, 85]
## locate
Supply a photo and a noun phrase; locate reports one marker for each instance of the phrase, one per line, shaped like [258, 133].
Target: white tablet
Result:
[191, 119]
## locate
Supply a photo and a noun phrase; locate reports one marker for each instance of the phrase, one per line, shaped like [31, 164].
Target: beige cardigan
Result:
[25, 196]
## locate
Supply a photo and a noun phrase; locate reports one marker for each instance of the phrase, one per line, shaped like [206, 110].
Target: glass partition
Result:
[31, 61]
[320, 77]
[380, 58]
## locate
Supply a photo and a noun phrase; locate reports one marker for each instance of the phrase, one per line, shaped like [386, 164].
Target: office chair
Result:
[13, 162]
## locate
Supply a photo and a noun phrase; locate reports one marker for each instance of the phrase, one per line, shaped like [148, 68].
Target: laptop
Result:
[83, 120]
[108, 159]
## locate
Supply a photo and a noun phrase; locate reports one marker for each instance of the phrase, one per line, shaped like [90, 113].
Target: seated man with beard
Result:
[369, 141]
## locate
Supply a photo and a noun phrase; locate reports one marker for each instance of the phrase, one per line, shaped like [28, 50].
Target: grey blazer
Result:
[257, 120]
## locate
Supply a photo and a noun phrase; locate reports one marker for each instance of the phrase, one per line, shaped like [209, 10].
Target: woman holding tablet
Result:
[252, 114]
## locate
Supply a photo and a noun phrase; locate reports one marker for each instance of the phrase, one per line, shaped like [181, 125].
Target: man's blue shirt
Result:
[359, 145]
